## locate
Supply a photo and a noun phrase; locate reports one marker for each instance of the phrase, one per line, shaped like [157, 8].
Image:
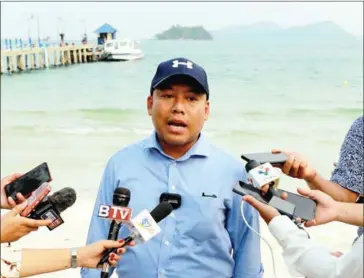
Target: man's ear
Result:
[207, 110]
[149, 105]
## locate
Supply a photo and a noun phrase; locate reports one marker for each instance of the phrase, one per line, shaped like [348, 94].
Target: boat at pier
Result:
[122, 50]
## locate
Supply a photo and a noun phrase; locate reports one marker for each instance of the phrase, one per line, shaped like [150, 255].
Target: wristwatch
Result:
[74, 258]
[360, 199]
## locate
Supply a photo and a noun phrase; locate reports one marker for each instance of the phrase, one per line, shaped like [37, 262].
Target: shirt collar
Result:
[201, 148]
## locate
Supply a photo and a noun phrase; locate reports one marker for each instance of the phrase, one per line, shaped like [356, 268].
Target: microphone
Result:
[174, 199]
[260, 175]
[118, 213]
[52, 206]
[144, 227]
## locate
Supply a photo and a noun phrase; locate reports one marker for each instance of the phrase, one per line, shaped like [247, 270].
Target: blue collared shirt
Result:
[198, 238]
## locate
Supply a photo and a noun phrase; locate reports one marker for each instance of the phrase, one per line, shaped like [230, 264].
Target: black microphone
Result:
[161, 211]
[52, 206]
[121, 198]
[174, 199]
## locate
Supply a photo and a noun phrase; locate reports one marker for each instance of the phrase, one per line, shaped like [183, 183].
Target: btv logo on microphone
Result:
[115, 213]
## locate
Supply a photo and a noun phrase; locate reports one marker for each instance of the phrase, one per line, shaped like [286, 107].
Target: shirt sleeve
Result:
[10, 262]
[98, 229]
[245, 243]
[350, 168]
[304, 258]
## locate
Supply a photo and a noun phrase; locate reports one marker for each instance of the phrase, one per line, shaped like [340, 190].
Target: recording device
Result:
[53, 205]
[174, 199]
[35, 198]
[275, 159]
[294, 206]
[283, 206]
[261, 174]
[28, 182]
[118, 213]
[144, 227]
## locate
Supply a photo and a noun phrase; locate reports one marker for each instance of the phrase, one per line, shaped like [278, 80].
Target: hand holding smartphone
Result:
[276, 159]
[28, 182]
[294, 206]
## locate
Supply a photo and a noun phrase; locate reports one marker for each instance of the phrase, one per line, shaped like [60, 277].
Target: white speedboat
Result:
[122, 50]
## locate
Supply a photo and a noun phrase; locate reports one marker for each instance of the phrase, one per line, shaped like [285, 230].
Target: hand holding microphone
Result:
[144, 226]
[52, 206]
[263, 177]
[119, 213]
[263, 181]
[14, 227]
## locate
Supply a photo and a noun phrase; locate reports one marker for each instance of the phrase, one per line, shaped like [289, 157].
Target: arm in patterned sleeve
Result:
[350, 168]
[346, 183]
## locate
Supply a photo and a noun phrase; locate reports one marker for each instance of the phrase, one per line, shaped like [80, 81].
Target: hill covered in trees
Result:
[178, 32]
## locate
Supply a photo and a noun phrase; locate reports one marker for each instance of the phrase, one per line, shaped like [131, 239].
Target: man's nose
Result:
[179, 106]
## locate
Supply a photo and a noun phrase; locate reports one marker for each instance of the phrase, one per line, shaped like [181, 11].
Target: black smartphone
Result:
[294, 206]
[28, 182]
[305, 207]
[272, 158]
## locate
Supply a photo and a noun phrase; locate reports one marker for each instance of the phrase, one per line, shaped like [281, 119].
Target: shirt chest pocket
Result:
[201, 218]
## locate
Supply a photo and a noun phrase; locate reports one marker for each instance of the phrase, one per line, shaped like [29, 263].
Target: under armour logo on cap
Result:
[188, 64]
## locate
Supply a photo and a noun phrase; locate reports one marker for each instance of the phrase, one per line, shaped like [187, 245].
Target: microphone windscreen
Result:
[121, 197]
[63, 198]
[161, 211]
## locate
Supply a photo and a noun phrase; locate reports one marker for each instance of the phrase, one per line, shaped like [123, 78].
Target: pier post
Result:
[80, 55]
[84, 55]
[19, 62]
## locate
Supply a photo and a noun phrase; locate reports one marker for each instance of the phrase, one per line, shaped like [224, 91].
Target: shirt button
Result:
[166, 242]
[173, 187]
[162, 272]
[172, 215]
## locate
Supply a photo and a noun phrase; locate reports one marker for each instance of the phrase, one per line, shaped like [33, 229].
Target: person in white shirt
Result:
[302, 255]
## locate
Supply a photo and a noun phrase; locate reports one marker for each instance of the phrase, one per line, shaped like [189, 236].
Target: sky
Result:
[144, 20]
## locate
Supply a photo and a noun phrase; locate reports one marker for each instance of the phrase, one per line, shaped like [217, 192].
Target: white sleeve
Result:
[304, 257]
[10, 261]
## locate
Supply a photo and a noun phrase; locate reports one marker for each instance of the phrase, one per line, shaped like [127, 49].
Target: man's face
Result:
[178, 113]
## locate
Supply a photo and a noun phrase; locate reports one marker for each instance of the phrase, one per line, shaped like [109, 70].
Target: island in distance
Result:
[178, 32]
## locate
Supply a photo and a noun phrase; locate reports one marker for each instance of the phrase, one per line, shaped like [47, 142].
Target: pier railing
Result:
[19, 60]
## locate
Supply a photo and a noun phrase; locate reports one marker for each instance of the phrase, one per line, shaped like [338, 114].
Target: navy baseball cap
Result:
[180, 66]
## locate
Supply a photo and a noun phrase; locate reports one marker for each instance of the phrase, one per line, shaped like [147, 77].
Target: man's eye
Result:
[192, 99]
[167, 96]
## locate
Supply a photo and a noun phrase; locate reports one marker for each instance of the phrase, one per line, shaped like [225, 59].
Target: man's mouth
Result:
[177, 124]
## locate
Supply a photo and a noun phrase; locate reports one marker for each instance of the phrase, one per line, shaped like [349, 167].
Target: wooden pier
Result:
[20, 60]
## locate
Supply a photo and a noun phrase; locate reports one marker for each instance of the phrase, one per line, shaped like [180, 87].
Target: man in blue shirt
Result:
[206, 236]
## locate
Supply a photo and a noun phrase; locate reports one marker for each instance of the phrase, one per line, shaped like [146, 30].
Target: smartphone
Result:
[272, 158]
[35, 198]
[28, 182]
[294, 206]
[305, 207]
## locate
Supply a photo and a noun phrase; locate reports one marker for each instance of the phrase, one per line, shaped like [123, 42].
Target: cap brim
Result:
[181, 74]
